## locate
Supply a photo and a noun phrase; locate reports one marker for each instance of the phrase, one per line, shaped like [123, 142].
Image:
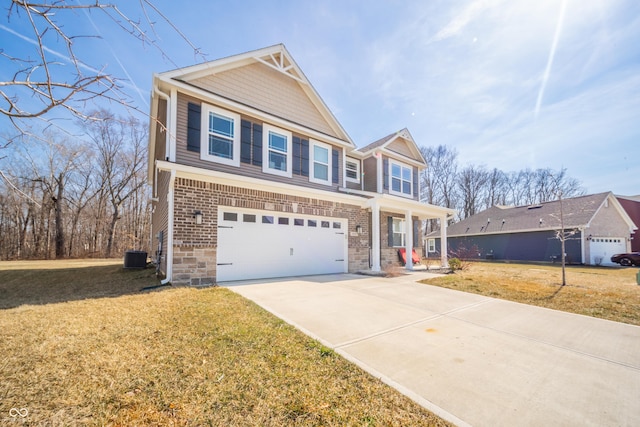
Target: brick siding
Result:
[195, 245]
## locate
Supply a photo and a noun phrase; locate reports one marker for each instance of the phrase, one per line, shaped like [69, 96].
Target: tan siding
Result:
[400, 146]
[191, 158]
[608, 223]
[266, 89]
[160, 218]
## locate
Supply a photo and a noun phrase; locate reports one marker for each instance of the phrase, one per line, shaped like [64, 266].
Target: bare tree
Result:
[41, 81]
[120, 159]
[472, 182]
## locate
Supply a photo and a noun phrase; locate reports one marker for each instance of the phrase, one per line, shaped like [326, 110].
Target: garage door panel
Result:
[299, 246]
[601, 249]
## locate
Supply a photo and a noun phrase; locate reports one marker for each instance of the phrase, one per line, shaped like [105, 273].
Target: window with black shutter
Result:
[194, 112]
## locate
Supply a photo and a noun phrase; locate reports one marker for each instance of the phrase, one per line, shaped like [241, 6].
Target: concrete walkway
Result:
[473, 360]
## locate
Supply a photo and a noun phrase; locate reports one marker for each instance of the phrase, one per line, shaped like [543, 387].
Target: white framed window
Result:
[352, 170]
[398, 231]
[320, 160]
[431, 245]
[276, 151]
[401, 177]
[220, 135]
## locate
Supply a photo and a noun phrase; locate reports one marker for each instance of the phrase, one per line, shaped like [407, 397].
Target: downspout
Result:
[168, 113]
[170, 202]
[583, 246]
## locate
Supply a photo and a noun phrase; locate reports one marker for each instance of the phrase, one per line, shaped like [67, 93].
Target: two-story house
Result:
[253, 177]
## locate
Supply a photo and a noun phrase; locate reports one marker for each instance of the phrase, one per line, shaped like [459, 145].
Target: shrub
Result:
[455, 264]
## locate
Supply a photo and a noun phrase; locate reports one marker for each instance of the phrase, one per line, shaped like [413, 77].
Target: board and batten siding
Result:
[266, 89]
[192, 158]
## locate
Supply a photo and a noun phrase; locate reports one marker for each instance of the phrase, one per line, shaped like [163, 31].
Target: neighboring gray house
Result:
[528, 233]
[253, 177]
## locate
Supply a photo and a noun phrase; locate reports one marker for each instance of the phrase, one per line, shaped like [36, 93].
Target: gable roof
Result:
[578, 212]
[400, 145]
[267, 80]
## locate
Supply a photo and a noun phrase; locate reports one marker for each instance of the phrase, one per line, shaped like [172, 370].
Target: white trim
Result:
[269, 129]
[173, 126]
[402, 166]
[358, 167]
[431, 246]
[408, 240]
[206, 175]
[170, 207]
[207, 110]
[403, 225]
[312, 160]
[375, 236]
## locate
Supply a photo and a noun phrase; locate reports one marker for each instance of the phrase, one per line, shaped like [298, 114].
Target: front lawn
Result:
[82, 345]
[605, 292]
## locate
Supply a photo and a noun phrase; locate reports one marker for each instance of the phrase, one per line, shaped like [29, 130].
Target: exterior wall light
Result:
[358, 229]
[198, 216]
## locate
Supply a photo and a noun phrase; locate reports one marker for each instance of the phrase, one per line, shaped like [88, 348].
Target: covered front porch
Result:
[407, 209]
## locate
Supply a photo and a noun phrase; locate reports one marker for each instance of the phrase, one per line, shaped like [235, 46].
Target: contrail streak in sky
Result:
[552, 53]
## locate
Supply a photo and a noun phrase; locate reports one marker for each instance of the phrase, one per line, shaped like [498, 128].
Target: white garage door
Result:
[603, 247]
[257, 244]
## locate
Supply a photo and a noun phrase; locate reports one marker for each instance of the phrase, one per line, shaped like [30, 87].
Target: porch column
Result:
[443, 242]
[375, 237]
[408, 239]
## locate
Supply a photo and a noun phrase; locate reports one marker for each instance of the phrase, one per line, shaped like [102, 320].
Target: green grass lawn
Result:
[82, 345]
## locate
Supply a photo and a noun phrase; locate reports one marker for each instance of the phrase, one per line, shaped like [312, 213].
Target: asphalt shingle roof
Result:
[578, 212]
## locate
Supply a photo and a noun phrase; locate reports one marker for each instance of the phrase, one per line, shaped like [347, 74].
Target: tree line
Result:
[63, 195]
[68, 196]
[470, 189]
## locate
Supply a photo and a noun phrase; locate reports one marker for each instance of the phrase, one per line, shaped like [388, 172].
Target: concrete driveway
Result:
[473, 360]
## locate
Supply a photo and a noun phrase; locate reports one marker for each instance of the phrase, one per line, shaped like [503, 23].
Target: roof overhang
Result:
[400, 205]
[206, 175]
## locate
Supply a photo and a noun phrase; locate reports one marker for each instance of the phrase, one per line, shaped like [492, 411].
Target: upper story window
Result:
[320, 163]
[221, 136]
[401, 179]
[276, 151]
[352, 170]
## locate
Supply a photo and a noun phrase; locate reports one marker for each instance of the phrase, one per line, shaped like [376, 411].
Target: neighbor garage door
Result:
[602, 248]
[257, 244]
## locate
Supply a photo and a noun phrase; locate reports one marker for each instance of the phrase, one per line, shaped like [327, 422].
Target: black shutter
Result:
[297, 155]
[390, 231]
[415, 184]
[304, 158]
[245, 141]
[193, 127]
[257, 144]
[335, 158]
[416, 233]
[385, 174]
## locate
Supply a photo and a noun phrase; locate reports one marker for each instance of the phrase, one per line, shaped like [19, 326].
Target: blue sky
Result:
[508, 84]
